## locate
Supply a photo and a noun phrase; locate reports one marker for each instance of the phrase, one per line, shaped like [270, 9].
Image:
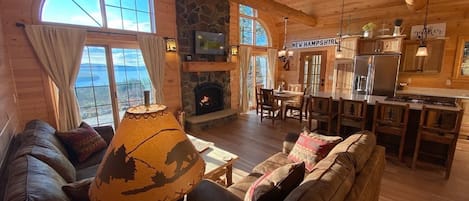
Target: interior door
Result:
[313, 70]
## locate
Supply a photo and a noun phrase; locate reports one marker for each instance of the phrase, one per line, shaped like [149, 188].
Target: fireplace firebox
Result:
[208, 98]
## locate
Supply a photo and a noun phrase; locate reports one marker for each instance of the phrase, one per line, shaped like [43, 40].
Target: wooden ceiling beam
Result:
[281, 10]
[415, 5]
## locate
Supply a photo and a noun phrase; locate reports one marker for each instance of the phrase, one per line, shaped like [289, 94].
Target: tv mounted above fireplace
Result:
[209, 43]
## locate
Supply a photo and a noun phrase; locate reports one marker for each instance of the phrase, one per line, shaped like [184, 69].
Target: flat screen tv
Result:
[209, 43]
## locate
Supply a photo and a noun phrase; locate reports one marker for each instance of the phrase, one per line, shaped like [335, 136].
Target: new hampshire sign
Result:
[314, 43]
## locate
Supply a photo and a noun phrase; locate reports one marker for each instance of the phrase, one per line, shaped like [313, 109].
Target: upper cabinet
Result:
[461, 69]
[429, 64]
[349, 46]
[383, 45]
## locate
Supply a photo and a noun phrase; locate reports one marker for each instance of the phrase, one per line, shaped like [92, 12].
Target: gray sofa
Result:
[352, 171]
[38, 164]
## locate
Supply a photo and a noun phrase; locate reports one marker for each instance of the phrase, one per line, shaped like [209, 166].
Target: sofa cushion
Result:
[240, 188]
[276, 185]
[83, 140]
[275, 161]
[331, 180]
[311, 148]
[87, 172]
[78, 191]
[360, 145]
[37, 131]
[53, 157]
[32, 179]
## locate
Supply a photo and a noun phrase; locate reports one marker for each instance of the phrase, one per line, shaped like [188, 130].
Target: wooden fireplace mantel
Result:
[203, 66]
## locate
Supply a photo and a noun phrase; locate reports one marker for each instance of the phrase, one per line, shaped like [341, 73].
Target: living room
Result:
[28, 92]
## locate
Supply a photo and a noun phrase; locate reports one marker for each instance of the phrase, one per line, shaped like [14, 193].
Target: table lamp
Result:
[149, 158]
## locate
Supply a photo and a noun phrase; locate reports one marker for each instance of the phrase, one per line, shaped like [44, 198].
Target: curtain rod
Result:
[22, 25]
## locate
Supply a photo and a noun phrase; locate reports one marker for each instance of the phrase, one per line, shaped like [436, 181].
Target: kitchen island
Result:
[412, 126]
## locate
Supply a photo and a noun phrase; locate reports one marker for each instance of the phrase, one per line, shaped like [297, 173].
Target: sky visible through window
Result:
[251, 31]
[133, 15]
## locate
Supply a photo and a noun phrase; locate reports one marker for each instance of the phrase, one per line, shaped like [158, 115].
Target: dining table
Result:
[283, 97]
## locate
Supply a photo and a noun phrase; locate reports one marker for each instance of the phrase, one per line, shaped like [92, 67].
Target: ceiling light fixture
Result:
[284, 54]
[423, 51]
[339, 54]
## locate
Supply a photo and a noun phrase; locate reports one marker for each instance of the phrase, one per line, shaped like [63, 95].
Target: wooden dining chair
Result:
[352, 114]
[391, 119]
[321, 109]
[258, 97]
[269, 104]
[294, 87]
[296, 107]
[440, 126]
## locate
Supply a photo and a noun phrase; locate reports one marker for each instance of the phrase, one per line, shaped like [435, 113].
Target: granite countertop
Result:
[440, 92]
[371, 99]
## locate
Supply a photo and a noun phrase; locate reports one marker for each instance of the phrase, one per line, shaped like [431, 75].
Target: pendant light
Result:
[423, 51]
[284, 54]
[339, 54]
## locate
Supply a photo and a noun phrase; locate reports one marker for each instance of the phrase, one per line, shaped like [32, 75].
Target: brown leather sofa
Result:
[352, 171]
[38, 164]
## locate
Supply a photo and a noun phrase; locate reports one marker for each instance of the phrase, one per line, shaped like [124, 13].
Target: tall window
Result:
[312, 72]
[257, 76]
[131, 15]
[126, 76]
[251, 31]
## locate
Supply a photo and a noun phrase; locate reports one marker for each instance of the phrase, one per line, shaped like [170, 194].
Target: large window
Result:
[132, 15]
[251, 31]
[126, 77]
[257, 77]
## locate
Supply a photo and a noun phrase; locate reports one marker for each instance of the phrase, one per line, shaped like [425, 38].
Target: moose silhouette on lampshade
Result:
[149, 158]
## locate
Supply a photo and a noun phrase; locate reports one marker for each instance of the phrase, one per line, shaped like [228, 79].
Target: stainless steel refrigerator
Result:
[376, 74]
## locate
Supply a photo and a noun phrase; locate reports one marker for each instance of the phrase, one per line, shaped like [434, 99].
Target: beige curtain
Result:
[154, 51]
[244, 61]
[59, 50]
[272, 67]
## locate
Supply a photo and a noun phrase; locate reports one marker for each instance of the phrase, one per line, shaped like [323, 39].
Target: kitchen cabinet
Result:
[383, 45]
[429, 64]
[461, 68]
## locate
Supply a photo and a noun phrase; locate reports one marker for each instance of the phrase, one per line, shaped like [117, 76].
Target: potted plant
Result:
[368, 29]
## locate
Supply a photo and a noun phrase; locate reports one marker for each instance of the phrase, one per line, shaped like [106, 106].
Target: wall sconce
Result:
[170, 45]
[234, 50]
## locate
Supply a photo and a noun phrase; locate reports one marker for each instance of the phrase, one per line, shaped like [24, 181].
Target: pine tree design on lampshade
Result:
[149, 158]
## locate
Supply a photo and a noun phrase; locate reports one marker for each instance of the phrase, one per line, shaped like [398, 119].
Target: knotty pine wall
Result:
[33, 86]
[455, 13]
[8, 116]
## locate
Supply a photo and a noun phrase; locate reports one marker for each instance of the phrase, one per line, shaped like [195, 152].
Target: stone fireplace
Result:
[208, 98]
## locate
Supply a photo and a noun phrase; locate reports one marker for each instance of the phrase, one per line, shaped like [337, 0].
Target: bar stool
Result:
[352, 113]
[321, 110]
[391, 119]
[439, 126]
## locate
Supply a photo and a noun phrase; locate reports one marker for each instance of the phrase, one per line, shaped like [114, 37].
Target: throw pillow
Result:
[78, 191]
[83, 141]
[277, 184]
[311, 148]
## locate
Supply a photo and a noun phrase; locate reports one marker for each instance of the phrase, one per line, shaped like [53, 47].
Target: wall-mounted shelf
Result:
[202, 66]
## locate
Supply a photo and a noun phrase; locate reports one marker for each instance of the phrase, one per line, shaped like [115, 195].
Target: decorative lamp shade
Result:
[149, 158]
[422, 51]
[234, 50]
[282, 53]
[170, 45]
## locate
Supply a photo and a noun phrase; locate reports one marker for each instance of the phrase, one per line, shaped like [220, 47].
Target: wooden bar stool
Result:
[439, 126]
[352, 113]
[321, 110]
[391, 119]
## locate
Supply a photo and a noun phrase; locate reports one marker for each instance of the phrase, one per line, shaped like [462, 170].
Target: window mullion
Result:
[103, 13]
[112, 86]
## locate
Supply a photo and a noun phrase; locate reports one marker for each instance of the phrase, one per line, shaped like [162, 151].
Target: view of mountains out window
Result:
[93, 86]
[252, 32]
[131, 15]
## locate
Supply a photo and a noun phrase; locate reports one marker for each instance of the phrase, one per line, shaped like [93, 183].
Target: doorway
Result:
[313, 70]
[257, 77]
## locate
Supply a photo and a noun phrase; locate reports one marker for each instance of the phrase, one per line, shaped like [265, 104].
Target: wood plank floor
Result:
[254, 141]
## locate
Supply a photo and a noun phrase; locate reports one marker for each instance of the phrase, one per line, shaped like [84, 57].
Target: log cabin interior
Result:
[312, 30]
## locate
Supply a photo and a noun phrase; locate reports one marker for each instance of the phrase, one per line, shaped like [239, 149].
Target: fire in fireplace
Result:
[208, 98]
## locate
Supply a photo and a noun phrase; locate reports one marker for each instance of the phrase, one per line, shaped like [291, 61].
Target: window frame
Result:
[104, 27]
[255, 20]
